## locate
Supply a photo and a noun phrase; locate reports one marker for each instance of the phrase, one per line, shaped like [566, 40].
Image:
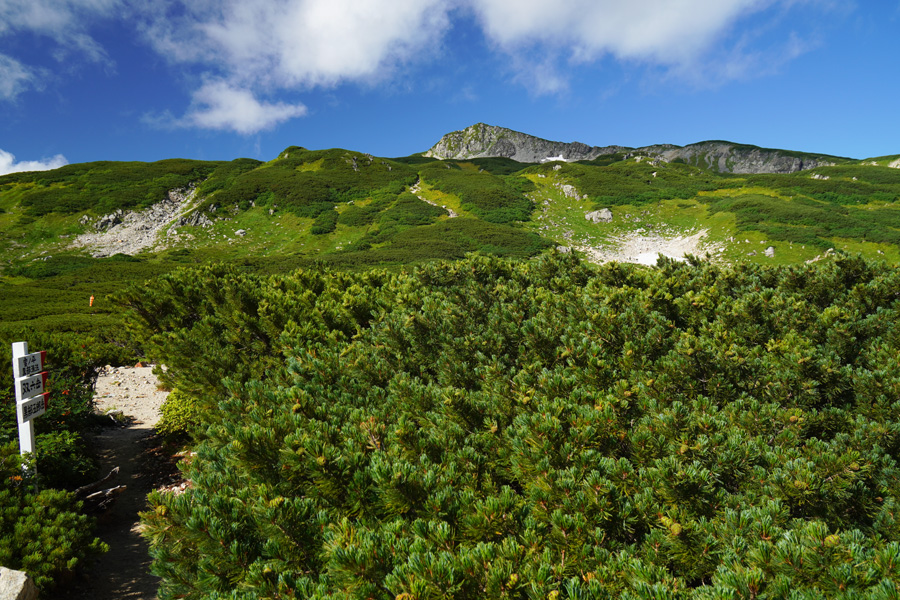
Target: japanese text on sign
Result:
[31, 363]
[29, 386]
[31, 408]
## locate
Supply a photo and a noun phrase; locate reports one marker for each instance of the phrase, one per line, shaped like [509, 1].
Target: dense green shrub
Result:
[810, 222]
[103, 187]
[326, 222]
[179, 414]
[410, 211]
[63, 459]
[492, 428]
[338, 176]
[449, 239]
[629, 182]
[499, 165]
[492, 198]
[44, 536]
[43, 533]
[359, 216]
[845, 184]
[225, 175]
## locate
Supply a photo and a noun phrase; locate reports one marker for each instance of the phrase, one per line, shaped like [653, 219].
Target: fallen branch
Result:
[84, 490]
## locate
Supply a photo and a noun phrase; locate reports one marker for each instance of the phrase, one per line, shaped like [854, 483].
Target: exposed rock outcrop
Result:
[604, 215]
[130, 232]
[726, 157]
[194, 219]
[481, 141]
[110, 220]
[570, 191]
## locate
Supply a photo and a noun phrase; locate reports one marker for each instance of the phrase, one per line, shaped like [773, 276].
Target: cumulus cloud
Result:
[300, 43]
[8, 163]
[218, 105]
[245, 50]
[660, 31]
[272, 45]
[265, 46]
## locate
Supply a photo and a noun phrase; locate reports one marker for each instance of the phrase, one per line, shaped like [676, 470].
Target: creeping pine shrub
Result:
[518, 430]
[43, 534]
[63, 461]
[179, 412]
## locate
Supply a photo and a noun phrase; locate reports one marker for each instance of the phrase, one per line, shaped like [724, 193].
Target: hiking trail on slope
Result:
[123, 573]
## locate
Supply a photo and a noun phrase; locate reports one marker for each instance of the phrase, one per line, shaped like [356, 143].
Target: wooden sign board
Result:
[31, 364]
[26, 387]
[32, 407]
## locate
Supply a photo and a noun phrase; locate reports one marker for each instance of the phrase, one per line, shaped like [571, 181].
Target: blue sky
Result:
[85, 80]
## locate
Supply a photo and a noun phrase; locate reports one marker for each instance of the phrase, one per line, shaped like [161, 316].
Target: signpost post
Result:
[32, 399]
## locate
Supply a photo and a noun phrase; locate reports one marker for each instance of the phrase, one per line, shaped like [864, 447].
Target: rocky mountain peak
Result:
[483, 141]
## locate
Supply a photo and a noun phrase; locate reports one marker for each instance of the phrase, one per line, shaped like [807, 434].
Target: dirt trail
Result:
[124, 571]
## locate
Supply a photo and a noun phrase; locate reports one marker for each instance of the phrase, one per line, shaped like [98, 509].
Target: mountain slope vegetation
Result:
[372, 420]
[532, 429]
[356, 210]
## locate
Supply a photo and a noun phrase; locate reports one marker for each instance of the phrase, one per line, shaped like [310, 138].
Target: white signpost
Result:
[31, 398]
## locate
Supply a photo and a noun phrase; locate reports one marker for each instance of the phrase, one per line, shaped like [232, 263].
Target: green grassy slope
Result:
[355, 210]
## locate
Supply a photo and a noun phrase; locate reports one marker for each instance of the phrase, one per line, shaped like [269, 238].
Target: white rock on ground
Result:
[16, 585]
[604, 215]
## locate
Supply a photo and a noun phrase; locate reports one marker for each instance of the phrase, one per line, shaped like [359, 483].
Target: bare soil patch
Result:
[645, 248]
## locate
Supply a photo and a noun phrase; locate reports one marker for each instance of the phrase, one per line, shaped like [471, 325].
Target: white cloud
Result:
[8, 163]
[218, 105]
[15, 78]
[65, 22]
[244, 50]
[693, 40]
[300, 43]
[659, 31]
[271, 45]
[266, 46]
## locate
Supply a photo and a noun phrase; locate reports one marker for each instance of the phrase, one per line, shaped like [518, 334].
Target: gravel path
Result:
[124, 571]
[134, 390]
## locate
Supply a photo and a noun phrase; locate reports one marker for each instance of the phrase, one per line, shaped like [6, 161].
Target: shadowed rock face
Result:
[484, 141]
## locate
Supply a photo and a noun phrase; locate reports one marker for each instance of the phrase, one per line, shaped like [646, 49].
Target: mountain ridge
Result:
[488, 141]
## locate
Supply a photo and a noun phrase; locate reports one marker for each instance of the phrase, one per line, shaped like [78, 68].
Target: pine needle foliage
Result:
[493, 428]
